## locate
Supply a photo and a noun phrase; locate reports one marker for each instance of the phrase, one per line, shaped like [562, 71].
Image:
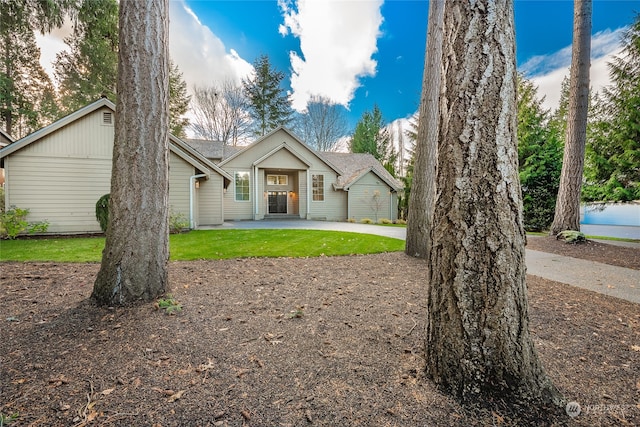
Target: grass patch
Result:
[219, 244]
[211, 244]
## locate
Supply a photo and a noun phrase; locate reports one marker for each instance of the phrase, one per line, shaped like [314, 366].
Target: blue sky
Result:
[365, 52]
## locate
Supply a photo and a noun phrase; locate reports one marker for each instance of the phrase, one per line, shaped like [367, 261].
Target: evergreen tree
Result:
[478, 346]
[269, 104]
[539, 156]
[372, 136]
[178, 101]
[88, 70]
[136, 251]
[27, 97]
[567, 212]
[612, 164]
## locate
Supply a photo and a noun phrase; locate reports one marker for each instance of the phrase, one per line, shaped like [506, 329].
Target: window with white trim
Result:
[317, 185]
[277, 179]
[242, 186]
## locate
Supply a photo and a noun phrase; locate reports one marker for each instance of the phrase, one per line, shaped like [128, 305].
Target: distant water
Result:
[611, 214]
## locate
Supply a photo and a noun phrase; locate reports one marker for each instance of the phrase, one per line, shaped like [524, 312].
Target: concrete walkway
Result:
[606, 279]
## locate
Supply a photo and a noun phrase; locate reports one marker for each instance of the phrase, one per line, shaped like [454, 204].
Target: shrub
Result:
[102, 212]
[1, 199]
[400, 221]
[177, 222]
[366, 221]
[14, 222]
[571, 236]
[385, 221]
[351, 220]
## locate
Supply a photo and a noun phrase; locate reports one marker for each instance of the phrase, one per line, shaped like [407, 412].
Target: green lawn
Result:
[211, 244]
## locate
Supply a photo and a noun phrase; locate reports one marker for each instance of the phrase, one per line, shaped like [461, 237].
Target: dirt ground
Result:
[329, 341]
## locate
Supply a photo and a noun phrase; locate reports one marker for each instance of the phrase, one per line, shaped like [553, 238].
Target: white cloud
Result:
[547, 72]
[337, 40]
[201, 56]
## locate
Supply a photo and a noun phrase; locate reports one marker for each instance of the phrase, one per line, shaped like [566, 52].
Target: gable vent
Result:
[107, 118]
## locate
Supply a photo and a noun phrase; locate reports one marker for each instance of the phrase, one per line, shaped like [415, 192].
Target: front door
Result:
[277, 202]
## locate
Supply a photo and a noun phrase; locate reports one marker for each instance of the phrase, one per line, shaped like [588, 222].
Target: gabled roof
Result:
[213, 149]
[357, 165]
[194, 154]
[5, 138]
[285, 147]
[293, 136]
[58, 124]
[177, 146]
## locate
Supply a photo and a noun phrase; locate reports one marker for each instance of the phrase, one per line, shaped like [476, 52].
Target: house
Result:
[60, 171]
[279, 175]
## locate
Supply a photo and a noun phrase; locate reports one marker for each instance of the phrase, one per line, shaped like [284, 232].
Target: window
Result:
[317, 183]
[242, 186]
[277, 179]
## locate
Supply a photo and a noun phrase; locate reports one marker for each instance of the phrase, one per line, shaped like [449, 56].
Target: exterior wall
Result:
[61, 180]
[179, 174]
[362, 203]
[238, 210]
[61, 191]
[210, 203]
[333, 208]
[61, 177]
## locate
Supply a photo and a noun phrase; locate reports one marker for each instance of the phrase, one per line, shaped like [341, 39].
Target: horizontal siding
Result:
[210, 201]
[180, 173]
[234, 210]
[334, 206]
[62, 191]
[363, 204]
[85, 138]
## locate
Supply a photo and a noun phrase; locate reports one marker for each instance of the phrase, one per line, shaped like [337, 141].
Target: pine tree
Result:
[567, 212]
[27, 97]
[178, 101]
[136, 252]
[422, 197]
[539, 158]
[372, 136]
[88, 70]
[270, 106]
[478, 346]
[612, 164]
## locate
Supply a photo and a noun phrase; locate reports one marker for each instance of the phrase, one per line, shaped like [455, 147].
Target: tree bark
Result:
[567, 214]
[478, 346]
[136, 253]
[422, 194]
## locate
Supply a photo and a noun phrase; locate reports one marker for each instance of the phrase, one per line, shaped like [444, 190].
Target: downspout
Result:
[192, 184]
[256, 192]
[309, 191]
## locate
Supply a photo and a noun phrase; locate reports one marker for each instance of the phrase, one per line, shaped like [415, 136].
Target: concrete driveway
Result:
[606, 279]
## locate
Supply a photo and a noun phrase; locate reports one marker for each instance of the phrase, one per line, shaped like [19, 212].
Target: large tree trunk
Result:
[478, 346]
[423, 186]
[567, 214]
[135, 257]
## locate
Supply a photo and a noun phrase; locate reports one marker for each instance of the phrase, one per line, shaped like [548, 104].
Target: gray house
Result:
[60, 171]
